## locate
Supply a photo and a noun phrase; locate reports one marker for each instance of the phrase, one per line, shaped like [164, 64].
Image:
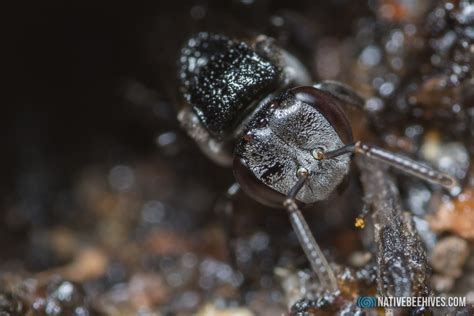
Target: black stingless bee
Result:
[251, 105]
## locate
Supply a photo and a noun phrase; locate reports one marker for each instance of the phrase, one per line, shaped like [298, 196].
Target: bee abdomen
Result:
[221, 78]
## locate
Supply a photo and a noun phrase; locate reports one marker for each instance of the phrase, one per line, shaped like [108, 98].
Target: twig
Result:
[402, 266]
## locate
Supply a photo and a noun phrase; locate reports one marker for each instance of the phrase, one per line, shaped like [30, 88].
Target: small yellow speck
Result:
[359, 223]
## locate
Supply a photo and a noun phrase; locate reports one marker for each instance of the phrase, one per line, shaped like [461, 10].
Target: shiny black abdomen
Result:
[221, 78]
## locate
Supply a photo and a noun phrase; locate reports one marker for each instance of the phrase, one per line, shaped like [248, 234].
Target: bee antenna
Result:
[310, 247]
[396, 161]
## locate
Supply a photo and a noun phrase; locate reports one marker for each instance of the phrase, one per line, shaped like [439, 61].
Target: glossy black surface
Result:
[220, 79]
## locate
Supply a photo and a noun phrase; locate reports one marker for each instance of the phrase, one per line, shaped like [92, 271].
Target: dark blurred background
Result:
[97, 84]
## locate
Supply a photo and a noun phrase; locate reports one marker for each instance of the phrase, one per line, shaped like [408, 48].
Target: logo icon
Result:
[366, 301]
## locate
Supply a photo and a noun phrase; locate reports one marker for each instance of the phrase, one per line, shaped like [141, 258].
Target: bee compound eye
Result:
[254, 187]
